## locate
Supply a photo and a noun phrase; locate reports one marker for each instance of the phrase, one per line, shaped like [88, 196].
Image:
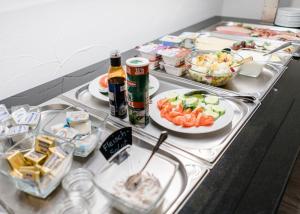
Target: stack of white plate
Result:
[288, 17]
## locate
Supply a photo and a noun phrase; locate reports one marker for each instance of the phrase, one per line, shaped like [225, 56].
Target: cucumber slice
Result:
[176, 102]
[199, 96]
[191, 102]
[218, 109]
[214, 100]
[208, 107]
[212, 113]
[172, 97]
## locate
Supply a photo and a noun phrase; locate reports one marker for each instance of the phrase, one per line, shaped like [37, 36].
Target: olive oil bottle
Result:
[117, 86]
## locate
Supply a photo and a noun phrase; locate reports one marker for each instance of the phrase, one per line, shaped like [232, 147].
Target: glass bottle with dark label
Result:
[116, 86]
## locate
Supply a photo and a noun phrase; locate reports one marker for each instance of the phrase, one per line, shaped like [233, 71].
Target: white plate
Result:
[94, 88]
[220, 123]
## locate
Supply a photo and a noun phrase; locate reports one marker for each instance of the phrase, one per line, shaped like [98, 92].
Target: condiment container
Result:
[189, 39]
[174, 56]
[174, 70]
[171, 41]
[85, 143]
[137, 69]
[254, 68]
[149, 51]
[48, 182]
[110, 179]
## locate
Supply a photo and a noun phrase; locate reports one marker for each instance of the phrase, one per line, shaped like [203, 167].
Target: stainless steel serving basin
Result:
[207, 147]
[188, 175]
[212, 28]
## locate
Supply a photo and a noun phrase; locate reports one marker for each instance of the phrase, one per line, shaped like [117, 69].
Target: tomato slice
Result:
[168, 117]
[179, 107]
[103, 81]
[167, 107]
[175, 113]
[178, 121]
[198, 120]
[187, 111]
[189, 120]
[161, 103]
[206, 121]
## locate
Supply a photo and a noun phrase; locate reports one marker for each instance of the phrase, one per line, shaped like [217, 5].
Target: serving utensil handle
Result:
[163, 136]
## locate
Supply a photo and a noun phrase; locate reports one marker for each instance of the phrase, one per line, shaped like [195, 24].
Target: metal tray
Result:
[271, 27]
[188, 176]
[207, 147]
[284, 56]
[242, 85]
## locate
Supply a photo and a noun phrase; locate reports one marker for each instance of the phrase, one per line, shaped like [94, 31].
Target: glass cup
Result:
[74, 204]
[80, 181]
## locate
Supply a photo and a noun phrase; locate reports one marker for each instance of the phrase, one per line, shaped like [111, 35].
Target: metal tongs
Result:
[244, 98]
[284, 45]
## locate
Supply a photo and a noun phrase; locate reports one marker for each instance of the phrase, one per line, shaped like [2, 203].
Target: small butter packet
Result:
[2, 130]
[55, 128]
[17, 130]
[4, 114]
[77, 116]
[18, 115]
[67, 132]
[31, 119]
[83, 128]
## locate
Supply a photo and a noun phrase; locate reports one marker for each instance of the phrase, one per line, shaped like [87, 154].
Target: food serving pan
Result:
[187, 177]
[240, 84]
[213, 27]
[285, 57]
[207, 147]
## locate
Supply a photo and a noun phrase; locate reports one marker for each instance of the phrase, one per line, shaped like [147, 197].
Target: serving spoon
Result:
[245, 98]
[243, 61]
[134, 180]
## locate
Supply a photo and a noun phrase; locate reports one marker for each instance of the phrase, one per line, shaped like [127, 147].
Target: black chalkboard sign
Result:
[116, 141]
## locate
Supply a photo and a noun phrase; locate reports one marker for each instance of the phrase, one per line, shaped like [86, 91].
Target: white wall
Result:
[251, 9]
[41, 40]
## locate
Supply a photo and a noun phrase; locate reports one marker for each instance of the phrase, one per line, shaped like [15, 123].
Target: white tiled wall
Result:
[41, 40]
[251, 8]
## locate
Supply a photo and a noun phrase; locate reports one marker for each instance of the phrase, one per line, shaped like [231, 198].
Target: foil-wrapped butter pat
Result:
[4, 114]
[55, 128]
[16, 160]
[67, 132]
[17, 130]
[2, 130]
[58, 151]
[48, 137]
[83, 128]
[51, 164]
[43, 143]
[16, 173]
[18, 115]
[31, 119]
[74, 117]
[35, 157]
[30, 173]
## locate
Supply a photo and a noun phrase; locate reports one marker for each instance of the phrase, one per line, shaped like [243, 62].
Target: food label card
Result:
[116, 142]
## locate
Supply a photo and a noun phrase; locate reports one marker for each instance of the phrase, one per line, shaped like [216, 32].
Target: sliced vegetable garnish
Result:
[190, 111]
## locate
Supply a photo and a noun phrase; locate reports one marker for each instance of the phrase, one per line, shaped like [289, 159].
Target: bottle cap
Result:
[115, 58]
